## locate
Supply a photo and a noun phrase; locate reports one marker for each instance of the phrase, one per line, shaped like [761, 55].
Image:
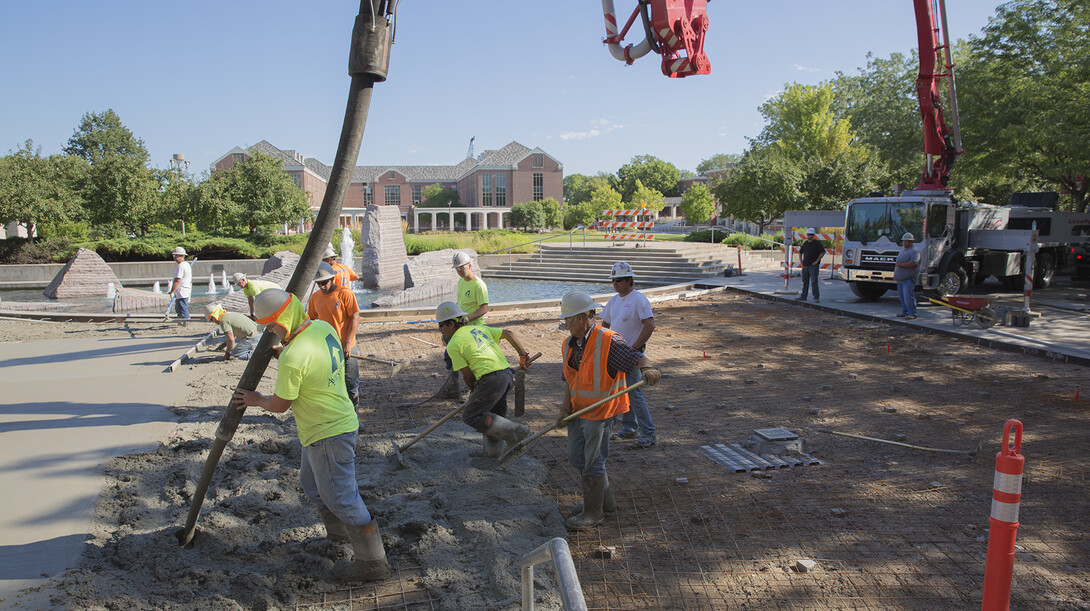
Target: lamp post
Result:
[179, 164]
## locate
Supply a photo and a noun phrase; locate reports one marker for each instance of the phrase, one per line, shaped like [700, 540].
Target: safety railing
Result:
[510, 249]
[571, 593]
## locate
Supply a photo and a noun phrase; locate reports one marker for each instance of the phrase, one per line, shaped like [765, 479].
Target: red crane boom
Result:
[939, 149]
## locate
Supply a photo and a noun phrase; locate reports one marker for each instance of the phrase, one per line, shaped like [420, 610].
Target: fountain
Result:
[346, 248]
[111, 291]
[211, 285]
[155, 287]
[223, 281]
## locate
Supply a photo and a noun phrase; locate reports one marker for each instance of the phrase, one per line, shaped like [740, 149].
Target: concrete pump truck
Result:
[962, 242]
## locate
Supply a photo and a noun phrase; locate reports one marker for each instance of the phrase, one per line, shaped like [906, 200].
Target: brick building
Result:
[487, 185]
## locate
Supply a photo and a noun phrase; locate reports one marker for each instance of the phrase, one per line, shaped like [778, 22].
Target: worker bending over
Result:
[239, 331]
[327, 425]
[337, 306]
[475, 351]
[252, 288]
[344, 274]
[595, 363]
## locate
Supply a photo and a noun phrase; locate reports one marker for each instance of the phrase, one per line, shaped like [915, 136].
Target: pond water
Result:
[500, 290]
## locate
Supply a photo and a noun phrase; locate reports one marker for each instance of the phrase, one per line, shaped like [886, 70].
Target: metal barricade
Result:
[571, 593]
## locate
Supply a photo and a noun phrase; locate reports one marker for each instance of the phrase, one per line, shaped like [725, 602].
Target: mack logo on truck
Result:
[879, 258]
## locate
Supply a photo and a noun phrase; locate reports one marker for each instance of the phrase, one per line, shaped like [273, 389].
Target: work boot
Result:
[609, 505]
[493, 446]
[451, 389]
[594, 491]
[335, 530]
[498, 426]
[369, 557]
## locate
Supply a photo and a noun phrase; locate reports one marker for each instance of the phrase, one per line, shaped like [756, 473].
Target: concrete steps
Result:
[654, 264]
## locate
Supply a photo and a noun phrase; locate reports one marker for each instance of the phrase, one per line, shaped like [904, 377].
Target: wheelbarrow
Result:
[966, 310]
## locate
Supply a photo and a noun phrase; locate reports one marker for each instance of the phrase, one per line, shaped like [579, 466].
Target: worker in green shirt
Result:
[472, 292]
[240, 332]
[252, 288]
[474, 350]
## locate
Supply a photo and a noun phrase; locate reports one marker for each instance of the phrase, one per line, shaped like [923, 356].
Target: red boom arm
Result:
[937, 145]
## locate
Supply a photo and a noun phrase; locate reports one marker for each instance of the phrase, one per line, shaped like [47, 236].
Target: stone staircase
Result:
[654, 264]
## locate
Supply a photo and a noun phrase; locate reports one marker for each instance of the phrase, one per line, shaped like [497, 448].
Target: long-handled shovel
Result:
[397, 365]
[520, 447]
[166, 316]
[520, 386]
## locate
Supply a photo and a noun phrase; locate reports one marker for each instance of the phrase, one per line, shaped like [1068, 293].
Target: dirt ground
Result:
[886, 526]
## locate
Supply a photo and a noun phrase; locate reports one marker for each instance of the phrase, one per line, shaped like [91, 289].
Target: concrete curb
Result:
[188, 353]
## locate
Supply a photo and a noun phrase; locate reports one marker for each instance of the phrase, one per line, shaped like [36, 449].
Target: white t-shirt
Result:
[185, 272]
[625, 315]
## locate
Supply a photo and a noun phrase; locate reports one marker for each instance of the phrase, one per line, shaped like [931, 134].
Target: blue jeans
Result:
[328, 477]
[181, 306]
[638, 417]
[244, 347]
[588, 445]
[352, 377]
[906, 292]
[811, 274]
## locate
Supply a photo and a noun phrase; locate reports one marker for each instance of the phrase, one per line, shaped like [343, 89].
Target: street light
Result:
[179, 164]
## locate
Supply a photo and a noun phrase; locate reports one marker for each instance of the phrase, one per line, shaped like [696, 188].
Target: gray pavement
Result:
[1062, 331]
[66, 407]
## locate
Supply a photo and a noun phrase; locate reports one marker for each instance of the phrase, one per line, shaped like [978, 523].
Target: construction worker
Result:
[474, 350]
[629, 314]
[595, 362]
[905, 270]
[327, 423]
[472, 292]
[239, 330]
[337, 306]
[182, 286]
[811, 253]
[344, 274]
[252, 288]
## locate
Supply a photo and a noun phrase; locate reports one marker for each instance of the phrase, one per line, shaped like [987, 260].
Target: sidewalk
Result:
[1062, 331]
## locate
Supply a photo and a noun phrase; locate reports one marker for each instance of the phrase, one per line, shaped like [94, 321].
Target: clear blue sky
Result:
[202, 77]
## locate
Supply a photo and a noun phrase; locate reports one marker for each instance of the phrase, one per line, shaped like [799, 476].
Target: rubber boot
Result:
[507, 430]
[594, 491]
[369, 559]
[335, 530]
[451, 389]
[609, 505]
[493, 446]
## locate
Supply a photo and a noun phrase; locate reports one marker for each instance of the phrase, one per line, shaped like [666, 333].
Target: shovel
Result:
[520, 386]
[397, 365]
[520, 447]
[399, 449]
[166, 315]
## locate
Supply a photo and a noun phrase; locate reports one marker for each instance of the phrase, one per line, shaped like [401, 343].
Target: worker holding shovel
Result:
[475, 351]
[595, 362]
[327, 424]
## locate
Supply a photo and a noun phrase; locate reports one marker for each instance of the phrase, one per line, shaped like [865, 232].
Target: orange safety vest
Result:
[591, 382]
[344, 275]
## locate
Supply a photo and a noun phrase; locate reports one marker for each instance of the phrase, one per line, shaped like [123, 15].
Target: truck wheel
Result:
[953, 281]
[1044, 271]
[868, 291]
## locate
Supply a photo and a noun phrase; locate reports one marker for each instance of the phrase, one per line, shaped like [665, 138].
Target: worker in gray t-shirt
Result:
[240, 332]
[905, 271]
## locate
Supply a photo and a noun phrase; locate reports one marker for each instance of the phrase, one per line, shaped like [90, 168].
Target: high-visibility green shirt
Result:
[472, 294]
[477, 347]
[310, 374]
[253, 287]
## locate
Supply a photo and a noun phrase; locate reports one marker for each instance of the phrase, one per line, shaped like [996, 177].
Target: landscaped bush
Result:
[489, 240]
[745, 241]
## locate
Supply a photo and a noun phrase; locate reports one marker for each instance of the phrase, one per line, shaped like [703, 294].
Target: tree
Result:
[551, 208]
[761, 187]
[436, 195]
[644, 197]
[36, 189]
[697, 205]
[1024, 86]
[578, 188]
[719, 162]
[603, 198]
[527, 215]
[801, 123]
[103, 135]
[653, 172]
[179, 196]
[262, 194]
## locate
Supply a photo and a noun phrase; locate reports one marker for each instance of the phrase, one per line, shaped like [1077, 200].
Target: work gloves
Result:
[651, 375]
[524, 361]
[561, 414]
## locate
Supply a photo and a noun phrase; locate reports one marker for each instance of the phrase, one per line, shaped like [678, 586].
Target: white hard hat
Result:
[178, 251]
[460, 259]
[576, 302]
[908, 236]
[621, 269]
[237, 276]
[268, 303]
[811, 231]
[448, 310]
[325, 272]
[329, 252]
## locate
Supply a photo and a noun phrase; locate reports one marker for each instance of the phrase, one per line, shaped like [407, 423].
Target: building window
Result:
[416, 194]
[368, 195]
[538, 160]
[501, 190]
[393, 195]
[298, 180]
[486, 189]
[391, 175]
[238, 157]
[539, 186]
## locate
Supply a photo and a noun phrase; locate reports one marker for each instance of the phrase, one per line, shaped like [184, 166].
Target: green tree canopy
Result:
[36, 190]
[551, 208]
[761, 187]
[720, 162]
[253, 194]
[645, 197]
[801, 123]
[102, 135]
[579, 188]
[603, 198]
[697, 205]
[653, 172]
[527, 215]
[436, 195]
